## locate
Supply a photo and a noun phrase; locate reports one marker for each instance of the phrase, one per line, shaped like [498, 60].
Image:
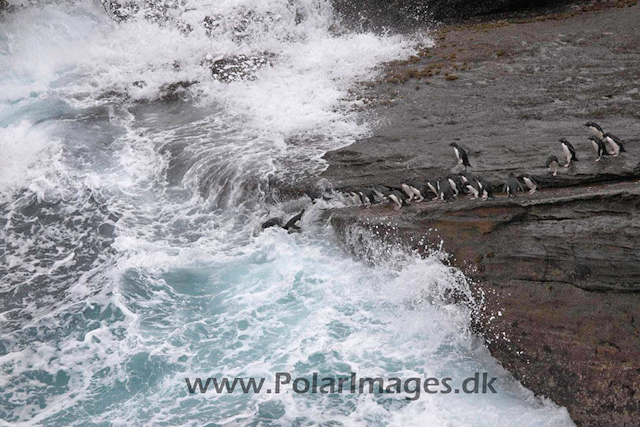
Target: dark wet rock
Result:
[175, 91]
[120, 10]
[407, 14]
[4, 5]
[238, 67]
[107, 229]
[558, 276]
[559, 271]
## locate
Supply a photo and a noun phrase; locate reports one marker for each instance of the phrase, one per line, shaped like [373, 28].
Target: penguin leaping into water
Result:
[512, 186]
[552, 163]
[461, 155]
[595, 129]
[615, 144]
[599, 146]
[569, 151]
[292, 225]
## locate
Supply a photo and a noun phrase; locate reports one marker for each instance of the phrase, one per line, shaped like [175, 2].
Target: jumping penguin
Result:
[552, 163]
[291, 225]
[530, 183]
[569, 151]
[599, 146]
[615, 144]
[461, 155]
[595, 129]
[512, 186]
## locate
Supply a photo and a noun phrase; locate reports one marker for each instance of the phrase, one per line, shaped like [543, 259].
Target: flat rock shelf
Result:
[559, 270]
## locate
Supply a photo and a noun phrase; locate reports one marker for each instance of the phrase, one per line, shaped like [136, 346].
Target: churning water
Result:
[132, 184]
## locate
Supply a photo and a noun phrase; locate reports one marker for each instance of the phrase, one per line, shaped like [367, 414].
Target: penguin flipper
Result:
[292, 222]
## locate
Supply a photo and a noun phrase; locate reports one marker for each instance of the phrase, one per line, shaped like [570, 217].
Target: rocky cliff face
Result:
[561, 266]
[558, 273]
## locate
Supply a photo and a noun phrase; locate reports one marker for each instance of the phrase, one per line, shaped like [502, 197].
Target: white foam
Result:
[187, 290]
[27, 150]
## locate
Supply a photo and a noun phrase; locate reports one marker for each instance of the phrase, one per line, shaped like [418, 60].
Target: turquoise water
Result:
[132, 255]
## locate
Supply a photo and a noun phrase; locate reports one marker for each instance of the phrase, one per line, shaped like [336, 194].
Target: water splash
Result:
[127, 225]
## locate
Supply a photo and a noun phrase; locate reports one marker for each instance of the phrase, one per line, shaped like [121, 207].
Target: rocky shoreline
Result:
[562, 266]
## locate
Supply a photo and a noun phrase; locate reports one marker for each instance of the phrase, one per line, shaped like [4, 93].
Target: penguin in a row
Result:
[513, 185]
[603, 143]
[451, 187]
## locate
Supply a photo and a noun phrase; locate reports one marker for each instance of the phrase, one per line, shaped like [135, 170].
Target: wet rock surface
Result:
[559, 270]
[407, 14]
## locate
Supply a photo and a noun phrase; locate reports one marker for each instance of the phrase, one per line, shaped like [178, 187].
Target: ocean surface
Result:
[131, 252]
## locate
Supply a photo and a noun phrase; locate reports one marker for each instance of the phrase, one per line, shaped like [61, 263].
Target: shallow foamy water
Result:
[131, 257]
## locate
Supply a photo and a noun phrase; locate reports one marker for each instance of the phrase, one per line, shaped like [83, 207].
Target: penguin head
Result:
[563, 140]
[454, 145]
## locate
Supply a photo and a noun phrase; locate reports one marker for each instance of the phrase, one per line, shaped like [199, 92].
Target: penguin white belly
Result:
[417, 194]
[473, 191]
[529, 183]
[615, 147]
[407, 190]
[567, 153]
[610, 145]
[595, 132]
[453, 186]
[457, 155]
